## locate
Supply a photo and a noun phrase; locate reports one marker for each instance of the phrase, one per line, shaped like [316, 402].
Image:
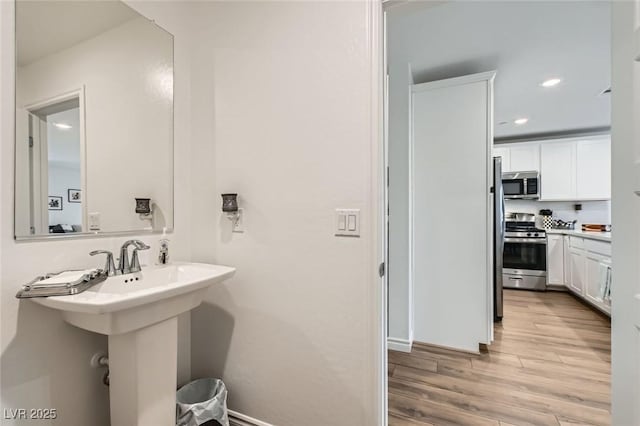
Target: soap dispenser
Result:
[163, 255]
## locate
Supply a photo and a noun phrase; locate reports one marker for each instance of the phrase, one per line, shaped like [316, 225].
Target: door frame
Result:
[625, 212]
[52, 100]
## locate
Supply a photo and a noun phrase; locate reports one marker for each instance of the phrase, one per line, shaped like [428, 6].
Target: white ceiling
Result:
[46, 27]
[526, 42]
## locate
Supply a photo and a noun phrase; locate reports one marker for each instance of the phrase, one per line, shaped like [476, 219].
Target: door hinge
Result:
[30, 141]
[381, 270]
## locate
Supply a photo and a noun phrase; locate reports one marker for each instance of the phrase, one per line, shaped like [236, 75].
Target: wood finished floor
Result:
[549, 365]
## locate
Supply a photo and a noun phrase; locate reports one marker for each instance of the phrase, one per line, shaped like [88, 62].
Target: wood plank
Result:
[435, 413]
[549, 364]
[398, 420]
[571, 404]
[400, 358]
[471, 404]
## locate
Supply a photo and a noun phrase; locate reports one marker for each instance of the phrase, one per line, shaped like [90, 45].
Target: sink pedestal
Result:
[139, 312]
[142, 375]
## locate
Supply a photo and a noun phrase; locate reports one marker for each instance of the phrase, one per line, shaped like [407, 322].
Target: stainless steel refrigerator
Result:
[498, 237]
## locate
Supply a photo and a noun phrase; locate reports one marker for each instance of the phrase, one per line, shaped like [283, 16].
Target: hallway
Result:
[549, 365]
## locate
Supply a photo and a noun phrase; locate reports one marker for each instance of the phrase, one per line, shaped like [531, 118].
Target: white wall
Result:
[282, 116]
[62, 178]
[126, 135]
[44, 361]
[451, 270]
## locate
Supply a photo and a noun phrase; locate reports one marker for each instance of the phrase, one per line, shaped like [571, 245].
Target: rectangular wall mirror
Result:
[94, 120]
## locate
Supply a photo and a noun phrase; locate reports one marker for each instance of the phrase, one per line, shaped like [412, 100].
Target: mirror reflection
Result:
[94, 119]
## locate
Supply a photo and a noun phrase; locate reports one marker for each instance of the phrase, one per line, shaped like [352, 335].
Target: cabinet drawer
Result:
[600, 247]
[576, 242]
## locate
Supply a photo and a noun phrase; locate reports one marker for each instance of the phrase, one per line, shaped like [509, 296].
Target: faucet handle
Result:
[139, 245]
[135, 262]
[109, 267]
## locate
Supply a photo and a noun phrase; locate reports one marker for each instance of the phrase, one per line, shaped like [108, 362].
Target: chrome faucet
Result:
[109, 267]
[124, 267]
[135, 262]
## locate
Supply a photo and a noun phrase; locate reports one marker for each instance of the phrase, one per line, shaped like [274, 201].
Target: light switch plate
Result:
[347, 222]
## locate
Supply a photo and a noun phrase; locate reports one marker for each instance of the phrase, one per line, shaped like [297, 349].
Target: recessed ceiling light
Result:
[520, 121]
[551, 82]
[63, 126]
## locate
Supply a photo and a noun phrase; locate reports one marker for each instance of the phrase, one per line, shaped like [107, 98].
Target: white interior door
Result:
[625, 146]
[451, 211]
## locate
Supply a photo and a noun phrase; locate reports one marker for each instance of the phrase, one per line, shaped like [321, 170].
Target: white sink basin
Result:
[124, 303]
[138, 312]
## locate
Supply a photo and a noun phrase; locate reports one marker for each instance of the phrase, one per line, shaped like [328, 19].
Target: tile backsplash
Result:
[592, 211]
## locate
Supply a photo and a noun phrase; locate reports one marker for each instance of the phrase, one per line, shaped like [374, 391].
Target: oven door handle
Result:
[526, 240]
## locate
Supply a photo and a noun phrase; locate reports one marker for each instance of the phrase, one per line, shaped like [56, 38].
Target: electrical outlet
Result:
[94, 221]
[238, 224]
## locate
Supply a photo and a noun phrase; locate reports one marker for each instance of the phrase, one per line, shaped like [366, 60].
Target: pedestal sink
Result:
[139, 314]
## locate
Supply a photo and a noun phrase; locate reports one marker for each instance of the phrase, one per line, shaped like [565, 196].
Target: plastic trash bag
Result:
[201, 401]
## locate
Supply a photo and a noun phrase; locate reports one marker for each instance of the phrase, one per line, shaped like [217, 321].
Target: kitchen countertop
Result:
[601, 236]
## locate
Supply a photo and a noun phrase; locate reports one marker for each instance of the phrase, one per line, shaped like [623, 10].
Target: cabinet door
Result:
[555, 259]
[558, 170]
[577, 271]
[596, 278]
[593, 164]
[567, 260]
[525, 157]
[504, 152]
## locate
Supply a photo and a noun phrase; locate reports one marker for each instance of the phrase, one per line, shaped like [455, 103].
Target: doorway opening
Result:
[530, 88]
[50, 168]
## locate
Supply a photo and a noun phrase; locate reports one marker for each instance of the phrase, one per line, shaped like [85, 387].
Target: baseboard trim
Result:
[400, 345]
[239, 419]
[427, 346]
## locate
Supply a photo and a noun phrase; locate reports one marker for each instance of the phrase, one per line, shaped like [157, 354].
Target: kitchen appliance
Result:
[498, 237]
[521, 185]
[525, 253]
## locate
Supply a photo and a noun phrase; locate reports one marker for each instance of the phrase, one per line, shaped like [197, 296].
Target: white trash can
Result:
[202, 401]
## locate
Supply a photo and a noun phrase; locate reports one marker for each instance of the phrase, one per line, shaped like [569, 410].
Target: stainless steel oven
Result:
[524, 257]
[521, 185]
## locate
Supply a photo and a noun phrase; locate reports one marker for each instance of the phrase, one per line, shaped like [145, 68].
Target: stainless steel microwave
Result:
[521, 185]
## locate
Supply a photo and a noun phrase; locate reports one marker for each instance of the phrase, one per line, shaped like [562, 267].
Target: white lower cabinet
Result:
[555, 259]
[583, 265]
[598, 281]
[577, 263]
[567, 260]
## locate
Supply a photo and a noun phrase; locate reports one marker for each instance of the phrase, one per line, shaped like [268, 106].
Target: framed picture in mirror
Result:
[55, 203]
[74, 195]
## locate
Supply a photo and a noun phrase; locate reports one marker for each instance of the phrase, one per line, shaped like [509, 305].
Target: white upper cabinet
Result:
[558, 170]
[504, 152]
[570, 169]
[593, 161]
[525, 157]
